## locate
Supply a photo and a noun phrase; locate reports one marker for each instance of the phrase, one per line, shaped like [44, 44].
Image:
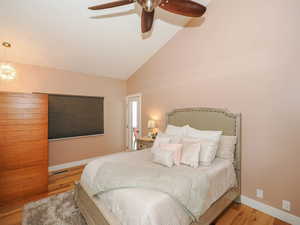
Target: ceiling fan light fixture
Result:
[7, 72]
[6, 44]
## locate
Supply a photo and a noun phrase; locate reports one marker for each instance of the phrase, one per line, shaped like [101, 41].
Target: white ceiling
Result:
[64, 34]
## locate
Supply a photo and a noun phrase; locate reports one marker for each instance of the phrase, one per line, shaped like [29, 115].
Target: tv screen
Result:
[73, 116]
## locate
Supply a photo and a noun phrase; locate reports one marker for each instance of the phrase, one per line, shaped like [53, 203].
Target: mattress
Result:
[148, 207]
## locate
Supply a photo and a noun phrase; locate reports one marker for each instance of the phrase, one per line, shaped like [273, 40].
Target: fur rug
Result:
[56, 210]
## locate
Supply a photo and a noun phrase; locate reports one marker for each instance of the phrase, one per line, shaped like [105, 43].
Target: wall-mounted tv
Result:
[73, 116]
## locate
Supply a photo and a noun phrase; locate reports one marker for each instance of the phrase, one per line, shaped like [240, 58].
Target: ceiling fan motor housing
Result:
[149, 5]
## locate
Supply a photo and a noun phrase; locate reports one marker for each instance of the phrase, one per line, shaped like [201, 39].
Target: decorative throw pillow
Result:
[208, 153]
[165, 158]
[191, 154]
[160, 140]
[227, 147]
[176, 148]
[176, 131]
[208, 150]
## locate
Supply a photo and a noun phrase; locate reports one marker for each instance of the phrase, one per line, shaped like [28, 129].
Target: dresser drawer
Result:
[144, 144]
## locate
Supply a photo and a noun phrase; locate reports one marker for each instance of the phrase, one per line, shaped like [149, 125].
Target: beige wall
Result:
[244, 57]
[39, 79]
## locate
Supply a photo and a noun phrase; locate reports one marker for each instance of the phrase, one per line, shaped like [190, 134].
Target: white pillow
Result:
[208, 153]
[165, 158]
[191, 154]
[227, 147]
[177, 131]
[203, 134]
[176, 148]
[209, 143]
[174, 139]
[208, 150]
[160, 140]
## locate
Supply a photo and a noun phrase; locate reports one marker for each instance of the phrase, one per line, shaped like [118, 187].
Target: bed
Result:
[222, 192]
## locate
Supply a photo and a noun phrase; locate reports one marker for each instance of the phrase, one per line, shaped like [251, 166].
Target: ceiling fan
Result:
[182, 7]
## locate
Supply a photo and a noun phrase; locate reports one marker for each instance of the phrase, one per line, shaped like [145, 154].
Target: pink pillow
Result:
[177, 148]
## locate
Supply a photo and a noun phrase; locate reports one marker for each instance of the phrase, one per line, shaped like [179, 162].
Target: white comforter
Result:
[148, 207]
[187, 187]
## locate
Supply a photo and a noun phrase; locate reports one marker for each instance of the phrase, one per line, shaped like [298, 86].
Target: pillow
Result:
[208, 150]
[209, 143]
[191, 154]
[227, 147]
[174, 139]
[208, 153]
[177, 131]
[203, 134]
[165, 158]
[160, 140]
[176, 148]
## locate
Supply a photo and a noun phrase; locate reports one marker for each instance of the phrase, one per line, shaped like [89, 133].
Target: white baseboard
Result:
[71, 164]
[277, 213]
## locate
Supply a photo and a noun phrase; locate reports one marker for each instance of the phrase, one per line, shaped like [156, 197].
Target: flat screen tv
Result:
[73, 116]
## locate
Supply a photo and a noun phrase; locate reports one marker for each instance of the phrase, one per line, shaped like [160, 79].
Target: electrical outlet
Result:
[286, 205]
[259, 193]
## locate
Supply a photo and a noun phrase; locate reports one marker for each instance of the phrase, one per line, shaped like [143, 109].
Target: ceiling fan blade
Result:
[183, 7]
[111, 4]
[147, 20]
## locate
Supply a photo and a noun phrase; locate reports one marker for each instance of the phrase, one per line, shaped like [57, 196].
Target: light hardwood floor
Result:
[237, 214]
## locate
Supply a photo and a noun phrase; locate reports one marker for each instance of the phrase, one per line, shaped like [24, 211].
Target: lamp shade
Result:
[151, 124]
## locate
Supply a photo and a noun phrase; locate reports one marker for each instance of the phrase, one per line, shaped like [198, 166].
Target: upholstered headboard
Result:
[211, 119]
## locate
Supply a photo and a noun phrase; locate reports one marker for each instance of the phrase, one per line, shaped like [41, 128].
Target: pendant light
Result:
[7, 71]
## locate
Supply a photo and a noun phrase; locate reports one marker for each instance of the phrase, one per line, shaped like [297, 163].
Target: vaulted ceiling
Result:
[64, 34]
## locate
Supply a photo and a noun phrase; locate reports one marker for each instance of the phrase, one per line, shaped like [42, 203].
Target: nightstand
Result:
[144, 142]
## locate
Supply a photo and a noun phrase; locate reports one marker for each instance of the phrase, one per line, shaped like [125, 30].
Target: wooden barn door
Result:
[23, 145]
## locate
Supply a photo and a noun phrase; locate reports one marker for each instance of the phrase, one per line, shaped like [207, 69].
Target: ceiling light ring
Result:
[6, 44]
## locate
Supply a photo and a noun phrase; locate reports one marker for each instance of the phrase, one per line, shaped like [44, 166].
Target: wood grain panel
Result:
[23, 145]
[16, 105]
[20, 154]
[17, 136]
[23, 110]
[24, 127]
[21, 183]
[22, 94]
[22, 116]
[21, 97]
[23, 122]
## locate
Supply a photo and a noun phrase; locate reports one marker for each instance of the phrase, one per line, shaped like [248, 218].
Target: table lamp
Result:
[151, 126]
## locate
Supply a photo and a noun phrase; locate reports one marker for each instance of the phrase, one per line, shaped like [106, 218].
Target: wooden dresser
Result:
[23, 145]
